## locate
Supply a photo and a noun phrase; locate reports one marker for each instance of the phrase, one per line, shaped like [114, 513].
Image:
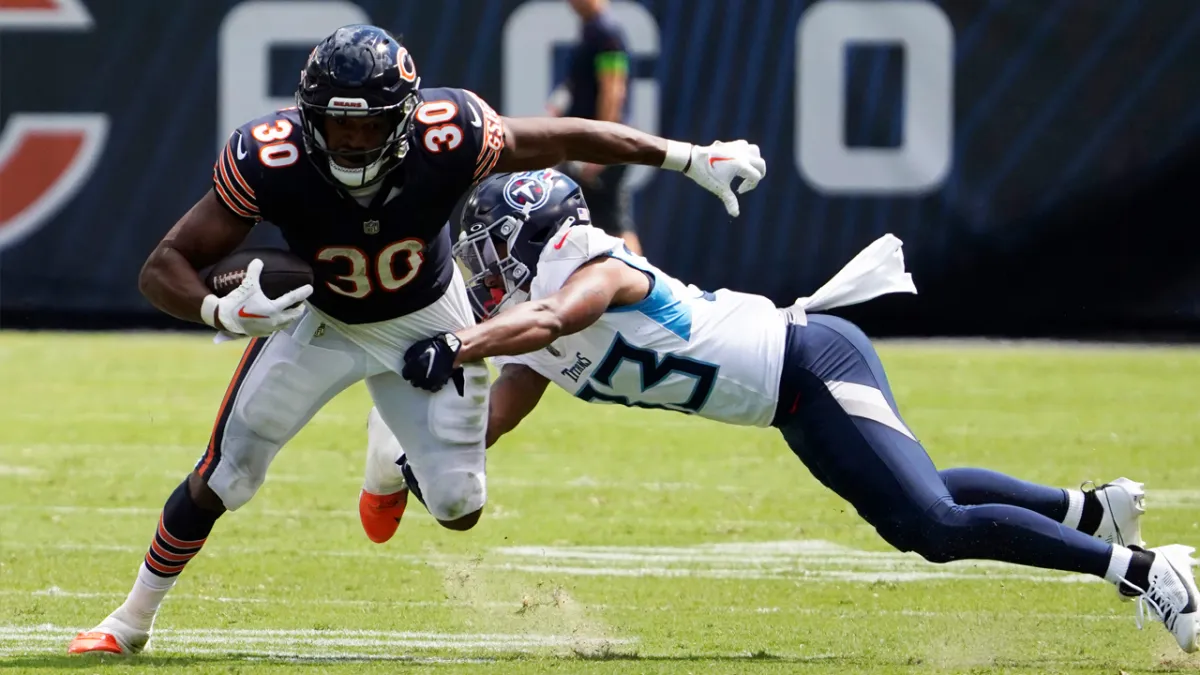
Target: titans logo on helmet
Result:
[527, 190]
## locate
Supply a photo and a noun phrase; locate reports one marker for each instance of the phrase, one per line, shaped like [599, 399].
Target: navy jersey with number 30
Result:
[386, 259]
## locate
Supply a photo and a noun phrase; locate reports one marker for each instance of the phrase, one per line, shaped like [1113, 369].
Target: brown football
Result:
[282, 271]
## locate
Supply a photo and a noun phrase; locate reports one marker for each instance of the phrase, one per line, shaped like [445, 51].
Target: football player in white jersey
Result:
[566, 303]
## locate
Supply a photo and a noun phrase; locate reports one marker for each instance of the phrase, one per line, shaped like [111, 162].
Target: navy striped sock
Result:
[182, 529]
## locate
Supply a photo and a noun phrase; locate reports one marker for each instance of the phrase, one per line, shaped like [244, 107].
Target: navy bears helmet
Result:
[506, 222]
[358, 71]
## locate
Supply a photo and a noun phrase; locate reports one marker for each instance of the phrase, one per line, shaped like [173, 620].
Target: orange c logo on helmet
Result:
[405, 63]
[45, 157]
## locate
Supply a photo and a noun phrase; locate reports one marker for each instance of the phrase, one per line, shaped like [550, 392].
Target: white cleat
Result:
[1172, 596]
[112, 636]
[1124, 503]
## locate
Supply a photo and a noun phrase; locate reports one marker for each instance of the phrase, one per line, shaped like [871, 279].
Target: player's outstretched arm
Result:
[533, 325]
[513, 396]
[532, 143]
[170, 279]
[528, 326]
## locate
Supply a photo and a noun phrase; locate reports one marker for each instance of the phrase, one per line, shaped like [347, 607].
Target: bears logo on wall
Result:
[45, 158]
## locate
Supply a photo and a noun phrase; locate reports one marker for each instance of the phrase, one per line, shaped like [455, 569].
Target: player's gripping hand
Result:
[246, 310]
[716, 166]
[429, 363]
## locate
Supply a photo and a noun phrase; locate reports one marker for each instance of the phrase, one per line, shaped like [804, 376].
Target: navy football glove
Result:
[429, 363]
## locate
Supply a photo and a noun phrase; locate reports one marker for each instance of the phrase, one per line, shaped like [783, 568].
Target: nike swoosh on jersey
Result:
[475, 121]
[562, 241]
[241, 153]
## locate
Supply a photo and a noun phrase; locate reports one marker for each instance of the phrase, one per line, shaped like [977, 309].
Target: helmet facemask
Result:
[506, 224]
[496, 280]
[366, 166]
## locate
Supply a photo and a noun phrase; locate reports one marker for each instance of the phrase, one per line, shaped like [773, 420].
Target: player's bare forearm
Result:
[525, 328]
[536, 143]
[171, 284]
[513, 396]
[533, 325]
[205, 234]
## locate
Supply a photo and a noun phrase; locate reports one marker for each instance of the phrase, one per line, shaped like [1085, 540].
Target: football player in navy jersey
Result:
[360, 177]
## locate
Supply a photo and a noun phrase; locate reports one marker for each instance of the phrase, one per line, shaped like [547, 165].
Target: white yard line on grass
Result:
[783, 574]
[307, 643]
[258, 655]
[1172, 499]
[55, 592]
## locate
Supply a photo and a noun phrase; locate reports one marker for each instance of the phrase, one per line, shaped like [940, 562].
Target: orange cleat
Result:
[380, 514]
[97, 642]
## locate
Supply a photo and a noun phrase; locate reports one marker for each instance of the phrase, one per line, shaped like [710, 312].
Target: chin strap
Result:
[364, 176]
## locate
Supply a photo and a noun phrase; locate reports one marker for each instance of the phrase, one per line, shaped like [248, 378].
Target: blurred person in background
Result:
[596, 88]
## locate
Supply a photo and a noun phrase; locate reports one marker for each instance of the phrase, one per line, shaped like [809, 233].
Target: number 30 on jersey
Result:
[441, 135]
[277, 152]
[366, 274]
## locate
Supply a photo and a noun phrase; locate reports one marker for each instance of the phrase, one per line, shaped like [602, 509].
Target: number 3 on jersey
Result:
[275, 154]
[358, 283]
[654, 368]
[441, 135]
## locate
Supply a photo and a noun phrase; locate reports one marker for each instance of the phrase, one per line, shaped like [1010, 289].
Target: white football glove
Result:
[716, 166]
[246, 310]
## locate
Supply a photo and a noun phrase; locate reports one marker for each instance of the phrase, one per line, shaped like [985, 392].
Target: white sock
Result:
[147, 594]
[383, 474]
[1074, 509]
[1118, 565]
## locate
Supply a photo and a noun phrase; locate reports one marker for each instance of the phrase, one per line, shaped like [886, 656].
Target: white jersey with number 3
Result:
[717, 355]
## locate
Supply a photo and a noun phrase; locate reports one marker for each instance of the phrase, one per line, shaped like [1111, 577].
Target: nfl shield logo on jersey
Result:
[370, 227]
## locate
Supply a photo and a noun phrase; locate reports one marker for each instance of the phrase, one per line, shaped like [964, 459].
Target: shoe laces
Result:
[1159, 603]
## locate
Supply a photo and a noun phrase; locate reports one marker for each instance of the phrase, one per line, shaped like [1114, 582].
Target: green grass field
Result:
[615, 540]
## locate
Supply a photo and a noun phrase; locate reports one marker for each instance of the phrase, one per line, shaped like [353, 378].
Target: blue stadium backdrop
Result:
[1039, 159]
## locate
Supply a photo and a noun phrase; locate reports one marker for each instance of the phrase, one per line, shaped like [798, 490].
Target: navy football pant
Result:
[871, 460]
